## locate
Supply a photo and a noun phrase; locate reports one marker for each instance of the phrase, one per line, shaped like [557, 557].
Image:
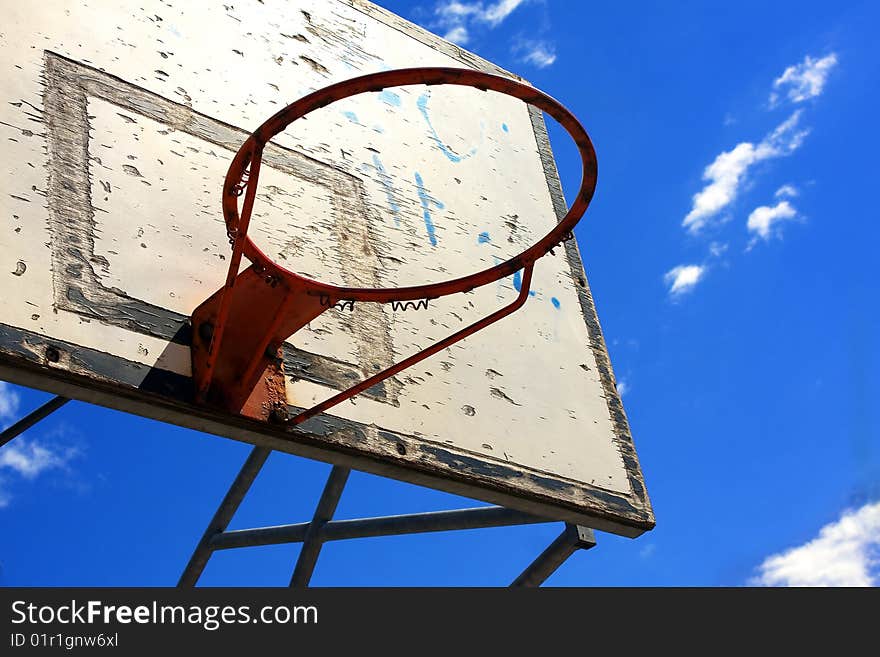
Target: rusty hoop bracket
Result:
[239, 330]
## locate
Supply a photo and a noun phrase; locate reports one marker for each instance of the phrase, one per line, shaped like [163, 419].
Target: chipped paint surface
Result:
[117, 139]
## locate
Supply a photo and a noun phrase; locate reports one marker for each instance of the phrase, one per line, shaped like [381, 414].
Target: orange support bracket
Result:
[247, 376]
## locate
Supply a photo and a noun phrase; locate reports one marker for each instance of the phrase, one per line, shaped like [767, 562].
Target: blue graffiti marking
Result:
[422, 104]
[390, 98]
[426, 208]
[517, 277]
[517, 283]
[385, 180]
[483, 238]
[504, 127]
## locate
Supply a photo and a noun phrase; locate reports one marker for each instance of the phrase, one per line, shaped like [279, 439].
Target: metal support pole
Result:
[313, 540]
[572, 538]
[31, 419]
[415, 523]
[323, 528]
[223, 515]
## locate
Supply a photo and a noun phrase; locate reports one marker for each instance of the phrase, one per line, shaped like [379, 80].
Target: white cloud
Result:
[453, 13]
[458, 20]
[622, 387]
[537, 53]
[785, 139]
[458, 35]
[727, 173]
[494, 14]
[717, 249]
[786, 190]
[29, 459]
[457, 10]
[21, 457]
[8, 402]
[845, 553]
[683, 279]
[763, 219]
[803, 81]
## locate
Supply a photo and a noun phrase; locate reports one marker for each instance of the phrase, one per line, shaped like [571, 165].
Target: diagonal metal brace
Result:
[223, 515]
[572, 538]
[31, 419]
[314, 541]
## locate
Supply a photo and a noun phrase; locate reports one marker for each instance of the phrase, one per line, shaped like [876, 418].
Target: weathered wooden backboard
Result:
[119, 121]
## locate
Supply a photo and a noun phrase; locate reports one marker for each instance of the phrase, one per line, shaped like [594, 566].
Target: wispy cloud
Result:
[789, 191]
[462, 22]
[453, 10]
[728, 171]
[30, 458]
[803, 81]
[536, 53]
[458, 35]
[845, 553]
[717, 249]
[8, 403]
[457, 12]
[622, 387]
[22, 457]
[731, 171]
[764, 221]
[683, 279]
[495, 13]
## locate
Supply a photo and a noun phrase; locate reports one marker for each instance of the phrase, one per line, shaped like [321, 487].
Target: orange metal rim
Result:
[244, 173]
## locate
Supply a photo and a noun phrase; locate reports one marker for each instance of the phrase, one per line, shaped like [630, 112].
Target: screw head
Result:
[279, 413]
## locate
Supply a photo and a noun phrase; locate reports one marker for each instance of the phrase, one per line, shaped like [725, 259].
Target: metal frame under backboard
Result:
[322, 528]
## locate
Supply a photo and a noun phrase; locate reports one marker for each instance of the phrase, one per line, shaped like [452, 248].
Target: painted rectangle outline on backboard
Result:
[77, 285]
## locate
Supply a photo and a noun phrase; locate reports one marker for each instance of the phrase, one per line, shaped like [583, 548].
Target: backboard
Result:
[120, 123]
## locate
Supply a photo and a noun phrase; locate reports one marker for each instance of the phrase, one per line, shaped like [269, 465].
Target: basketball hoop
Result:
[239, 330]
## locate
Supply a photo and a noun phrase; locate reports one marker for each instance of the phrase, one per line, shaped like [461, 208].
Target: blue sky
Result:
[731, 252]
